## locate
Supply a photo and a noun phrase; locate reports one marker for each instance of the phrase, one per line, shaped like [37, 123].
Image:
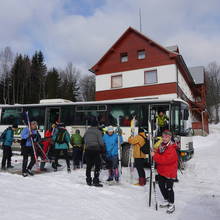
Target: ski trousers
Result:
[92, 158]
[140, 164]
[57, 156]
[112, 166]
[7, 154]
[77, 155]
[27, 151]
[166, 188]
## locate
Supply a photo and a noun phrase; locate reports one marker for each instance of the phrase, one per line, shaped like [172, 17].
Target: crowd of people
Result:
[90, 148]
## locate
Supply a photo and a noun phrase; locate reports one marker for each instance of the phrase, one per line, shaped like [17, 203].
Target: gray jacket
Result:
[93, 139]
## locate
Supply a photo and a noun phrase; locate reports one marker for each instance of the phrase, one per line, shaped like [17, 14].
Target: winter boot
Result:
[96, 182]
[109, 179]
[89, 181]
[25, 174]
[68, 170]
[171, 208]
[141, 182]
[164, 204]
[30, 172]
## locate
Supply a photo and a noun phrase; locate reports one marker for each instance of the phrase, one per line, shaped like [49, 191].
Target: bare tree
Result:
[6, 62]
[87, 87]
[213, 89]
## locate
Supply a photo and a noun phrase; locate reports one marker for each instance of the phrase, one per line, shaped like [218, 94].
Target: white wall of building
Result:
[184, 86]
[134, 78]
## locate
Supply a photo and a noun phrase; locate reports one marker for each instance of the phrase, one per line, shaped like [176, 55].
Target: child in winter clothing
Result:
[139, 157]
[7, 139]
[61, 137]
[77, 143]
[167, 164]
[111, 146]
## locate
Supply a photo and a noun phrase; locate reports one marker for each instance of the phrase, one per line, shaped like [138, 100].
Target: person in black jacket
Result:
[94, 147]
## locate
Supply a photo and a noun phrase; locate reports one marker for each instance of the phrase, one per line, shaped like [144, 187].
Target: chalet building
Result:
[136, 67]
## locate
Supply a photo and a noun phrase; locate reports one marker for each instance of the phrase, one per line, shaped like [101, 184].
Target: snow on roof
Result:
[47, 101]
[173, 48]
[198, 74]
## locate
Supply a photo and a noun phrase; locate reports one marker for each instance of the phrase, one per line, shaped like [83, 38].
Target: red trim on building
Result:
[148, 90]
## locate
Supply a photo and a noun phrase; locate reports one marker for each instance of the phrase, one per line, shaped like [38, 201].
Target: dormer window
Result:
[141, 54]
[124, 57]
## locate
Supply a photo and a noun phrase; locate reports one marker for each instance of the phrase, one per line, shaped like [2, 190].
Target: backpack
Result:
[60, 137]
[146, 147]
[3, 135]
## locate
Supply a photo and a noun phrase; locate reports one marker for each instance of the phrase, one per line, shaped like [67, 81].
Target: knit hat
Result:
[110, 129]
[14, 126]
[167, 132]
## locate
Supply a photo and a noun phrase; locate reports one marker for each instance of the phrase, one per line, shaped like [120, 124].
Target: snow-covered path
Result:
[62, 196]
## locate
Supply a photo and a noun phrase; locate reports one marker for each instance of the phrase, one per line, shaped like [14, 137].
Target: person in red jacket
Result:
[167, 164]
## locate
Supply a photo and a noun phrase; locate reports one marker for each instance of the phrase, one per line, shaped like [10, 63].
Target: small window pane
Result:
[124, 57]
[116, 81]
[141, 54]
[150, 77]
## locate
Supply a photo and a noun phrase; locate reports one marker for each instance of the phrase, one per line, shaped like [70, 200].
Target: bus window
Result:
[12, 116]
[125, 113]
[67, 115]
[184, 122]
[37, 114]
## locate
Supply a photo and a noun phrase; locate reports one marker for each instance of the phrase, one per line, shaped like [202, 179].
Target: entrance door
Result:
[159, 115]
[52, 116]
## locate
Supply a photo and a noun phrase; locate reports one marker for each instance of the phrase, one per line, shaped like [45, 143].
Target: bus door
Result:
[52, 116]
[159, 115]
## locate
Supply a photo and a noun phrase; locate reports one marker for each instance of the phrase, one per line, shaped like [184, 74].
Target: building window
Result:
[150, 77]
[141, 54]
[116, 81]
[124, 57]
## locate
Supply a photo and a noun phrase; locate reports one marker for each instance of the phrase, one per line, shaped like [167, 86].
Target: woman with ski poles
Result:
[167, 164]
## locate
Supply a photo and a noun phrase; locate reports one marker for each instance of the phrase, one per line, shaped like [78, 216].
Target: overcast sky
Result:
[80, 31]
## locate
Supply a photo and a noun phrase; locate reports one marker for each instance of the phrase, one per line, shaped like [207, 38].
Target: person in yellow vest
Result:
[139, 157]
[162, 122]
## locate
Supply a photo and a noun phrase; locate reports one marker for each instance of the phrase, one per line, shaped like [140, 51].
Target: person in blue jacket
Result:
[61, 138]
[111, 146]
[7, 139]
[28, 150]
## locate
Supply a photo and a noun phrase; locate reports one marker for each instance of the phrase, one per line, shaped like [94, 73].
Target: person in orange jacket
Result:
[139, 157]
[167, 165]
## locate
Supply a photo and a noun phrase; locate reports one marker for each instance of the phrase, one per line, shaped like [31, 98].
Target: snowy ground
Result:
[62, 196]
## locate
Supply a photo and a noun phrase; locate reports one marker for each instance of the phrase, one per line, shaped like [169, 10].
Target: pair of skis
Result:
[33, 144]
[152, 169]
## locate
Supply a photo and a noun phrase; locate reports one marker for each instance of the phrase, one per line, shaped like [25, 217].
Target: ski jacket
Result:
[25, 134]
[111, 144]
[64, 145]
[167, 160]
[162, 120]
[8, 137]
[48, 142]
[76, 139]
[93, 139]
[137, 142]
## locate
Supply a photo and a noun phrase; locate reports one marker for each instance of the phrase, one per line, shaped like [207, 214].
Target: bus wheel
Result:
[125, 155]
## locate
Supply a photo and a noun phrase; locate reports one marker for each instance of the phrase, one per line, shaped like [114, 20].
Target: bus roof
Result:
[97, 102]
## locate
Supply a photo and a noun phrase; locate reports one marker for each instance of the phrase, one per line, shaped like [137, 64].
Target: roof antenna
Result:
[140, 19]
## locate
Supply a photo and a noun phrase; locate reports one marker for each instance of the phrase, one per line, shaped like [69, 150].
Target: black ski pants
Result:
[93, 159]
[77, 155]
[139, 164]
[57, 153]
[28, 151]
[7, 154]
[166, 188]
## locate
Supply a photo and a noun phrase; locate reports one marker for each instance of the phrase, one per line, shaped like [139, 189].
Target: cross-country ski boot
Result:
[164, 204]
[24, 174]
[171, 208]
[96, 182]
[30, 172]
